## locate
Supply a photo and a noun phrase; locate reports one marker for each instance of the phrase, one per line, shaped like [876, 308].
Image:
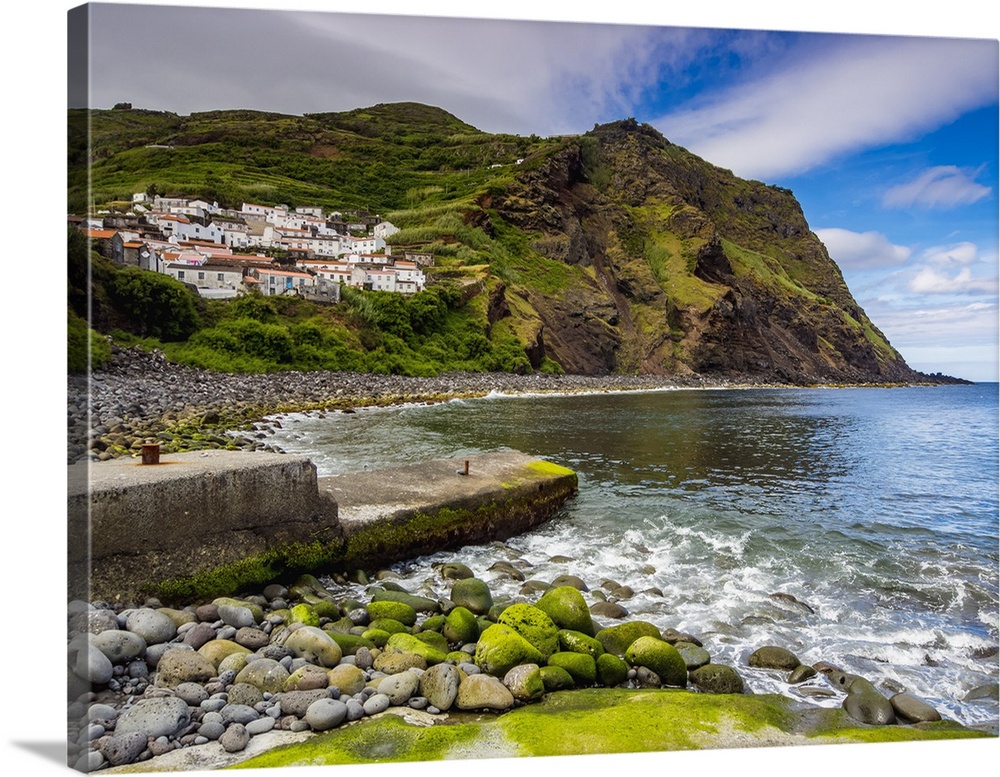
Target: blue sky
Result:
[889, 141]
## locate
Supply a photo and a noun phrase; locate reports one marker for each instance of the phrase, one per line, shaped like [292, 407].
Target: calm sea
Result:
[876, 509]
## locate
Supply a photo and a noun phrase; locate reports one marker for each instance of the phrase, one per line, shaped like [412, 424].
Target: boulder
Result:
[348, 678]
[567, 608]
[266, 674]
[397, 611]
[439, 684]
[315, 646]
[578, 642]
[534, 625]
[408, 643]
[500, 649]
[660, 657]
[483, 692]
[183, 666]
[616, 639]
[611, 670]
[461, 626]
[473, 594]
[581, 666]
[160, 716]
[525, 682]
[717, 678]
[910, 709]
[773, 657]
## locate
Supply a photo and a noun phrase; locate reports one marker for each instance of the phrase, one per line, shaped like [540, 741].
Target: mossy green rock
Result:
[534, 625]
[255, 609]
[611, 670]
[524, 682]
[717, 678]
[568, 609]
[396, 611]
[418, 603]
[350, 643]
[347, 677]
[377, 637]
[218, 649]
[617, 639]
[500, 649]
[434, 623]
[473, 594]
[581, 666]
[304, 614]
[326, 609]
[408, 643]
[659, 657]
[315, 646]
[434, 639]
[578, 642]
[391, 625]
[461, 626]
[555, 678]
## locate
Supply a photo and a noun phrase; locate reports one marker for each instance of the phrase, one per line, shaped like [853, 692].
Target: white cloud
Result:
[858, 93]
[939, 187]
[862, 250]
[932, 281]
[962, 254]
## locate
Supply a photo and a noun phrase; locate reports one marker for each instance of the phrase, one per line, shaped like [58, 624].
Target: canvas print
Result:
[451, 388]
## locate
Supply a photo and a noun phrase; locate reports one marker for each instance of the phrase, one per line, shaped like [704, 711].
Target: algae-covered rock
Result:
[326, 609]
[256, 611]
[800, 674]
[534, 625]
[717, 678]
[456, 570]
[660, 657]
[265, 674]
[555, 678]
[418, 603]
[391, 662]
[439, 685]
[500, 649]
[567, 608]
[314, 645]
[304, 614]
[391, 625]
[348, 678]
[377, 637]
[611, 670]
[461, 626]
[473, 594]
[434, 639]
[525, 682]
[773, 657]
[408, 643]
[397, 611]
[616, 639]
[578, 642]
[434, 623]
[483, 692]
[305, 678]
[350, 643]
[581, 666]
[218, 649]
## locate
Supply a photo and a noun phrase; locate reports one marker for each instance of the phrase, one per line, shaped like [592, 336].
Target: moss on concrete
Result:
[600, 721]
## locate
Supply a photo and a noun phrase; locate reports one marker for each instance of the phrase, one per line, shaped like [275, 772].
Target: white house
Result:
[275, 282]
[384, 228]
[214, 281]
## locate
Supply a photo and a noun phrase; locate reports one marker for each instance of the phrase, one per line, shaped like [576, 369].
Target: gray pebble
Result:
[260, 726]
[324, 714]
[235, 738]
[239, 713]
[376, 704]
[211, 730]
[355, 710]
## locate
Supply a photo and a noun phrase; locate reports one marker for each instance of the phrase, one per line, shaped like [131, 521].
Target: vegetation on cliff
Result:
[615, 251]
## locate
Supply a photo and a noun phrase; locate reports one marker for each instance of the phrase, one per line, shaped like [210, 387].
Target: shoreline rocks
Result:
[271, 662]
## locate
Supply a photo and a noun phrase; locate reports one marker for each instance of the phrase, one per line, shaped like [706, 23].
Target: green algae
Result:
[601, 721]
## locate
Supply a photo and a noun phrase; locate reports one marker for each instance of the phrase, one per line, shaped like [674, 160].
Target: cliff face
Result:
[681, 267]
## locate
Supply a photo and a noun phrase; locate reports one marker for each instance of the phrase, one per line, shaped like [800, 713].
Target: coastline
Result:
[141, 397]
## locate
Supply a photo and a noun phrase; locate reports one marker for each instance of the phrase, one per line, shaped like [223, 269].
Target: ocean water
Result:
[872, 512]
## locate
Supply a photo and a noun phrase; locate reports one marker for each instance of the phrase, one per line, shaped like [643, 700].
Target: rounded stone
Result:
[525, 682]
[611, 670]
[153, 626]
[155, 717]
[473, 594]
[183, 666]
[260, 726]
[307, 678]
[297, 702]
[461, 626]
[399, 687]
[346, 677]
[124, 748]
[534, 625]
[660, 657]
[251, 637]
[377, 703]
[801, 673]
[717, 678]
[118, 645]
[581, 666]
[500, 649]
[572, 581]
[192, 693]
[216, 650]
[608, 610]
[239, 713]
[408, 643]
[913, 710]
[244, 693]
[394, 663]
[324, 714]
[266, 674]
[617, 639]
[211, 730]
[773, 657]
[555, 678]
[578, 642]
[235, 738]
[693, 655]
[93, 666]
[440, 685]
[869, 706]
[314, 645]
[483, 691]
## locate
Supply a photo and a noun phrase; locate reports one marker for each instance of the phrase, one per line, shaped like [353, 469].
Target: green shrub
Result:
[156, 305]
[86, 349]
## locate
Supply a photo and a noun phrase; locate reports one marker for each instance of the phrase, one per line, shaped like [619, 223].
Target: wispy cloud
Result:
[961, 254]
[852, 94]
[930, 280]
[945, 186]
[862, 250]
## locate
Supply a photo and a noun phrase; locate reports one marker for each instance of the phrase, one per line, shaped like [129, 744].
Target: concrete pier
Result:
[207, 523]
[406, 511]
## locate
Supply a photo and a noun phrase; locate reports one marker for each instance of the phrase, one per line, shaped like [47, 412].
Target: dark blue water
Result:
[877, 508]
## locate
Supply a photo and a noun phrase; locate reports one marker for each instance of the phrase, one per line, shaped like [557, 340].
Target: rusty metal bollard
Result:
[150, 453]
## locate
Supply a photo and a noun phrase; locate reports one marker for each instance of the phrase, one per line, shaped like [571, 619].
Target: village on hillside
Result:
[277, 250]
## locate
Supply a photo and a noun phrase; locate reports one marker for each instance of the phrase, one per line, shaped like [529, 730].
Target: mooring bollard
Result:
[466, 467]
[150, 453]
